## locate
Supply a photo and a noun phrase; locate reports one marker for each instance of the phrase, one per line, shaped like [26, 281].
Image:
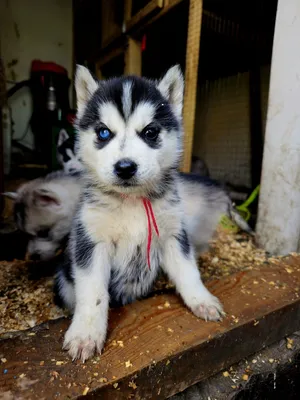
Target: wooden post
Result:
[278, 226]
[133, 58]
[127, 10]
[191, 78]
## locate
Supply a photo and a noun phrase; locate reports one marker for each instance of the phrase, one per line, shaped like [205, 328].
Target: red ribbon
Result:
[150, 218]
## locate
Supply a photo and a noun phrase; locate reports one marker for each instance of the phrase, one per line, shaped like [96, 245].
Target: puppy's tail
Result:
[236, 217]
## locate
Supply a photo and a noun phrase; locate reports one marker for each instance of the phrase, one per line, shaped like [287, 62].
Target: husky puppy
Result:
[66, 154]
[136, 213]
[44, 209]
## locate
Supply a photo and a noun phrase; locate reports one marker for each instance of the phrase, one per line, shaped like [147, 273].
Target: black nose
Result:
[125, 169]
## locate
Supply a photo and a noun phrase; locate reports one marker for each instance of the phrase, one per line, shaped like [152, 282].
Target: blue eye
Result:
[104, 134]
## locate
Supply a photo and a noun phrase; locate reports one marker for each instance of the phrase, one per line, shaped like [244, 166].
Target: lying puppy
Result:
[44, 209]
[137, 214]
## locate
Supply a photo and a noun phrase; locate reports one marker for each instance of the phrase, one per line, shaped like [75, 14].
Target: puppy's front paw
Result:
[209, 308]
[82, 342]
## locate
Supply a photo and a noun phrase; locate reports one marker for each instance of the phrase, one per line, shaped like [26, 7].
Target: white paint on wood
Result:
[278, 227]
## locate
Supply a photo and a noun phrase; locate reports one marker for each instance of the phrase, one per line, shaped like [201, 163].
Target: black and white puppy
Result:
[66, 155]
[137, 213]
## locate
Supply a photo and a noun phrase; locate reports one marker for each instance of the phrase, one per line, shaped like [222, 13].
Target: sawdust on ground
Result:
[25, 303]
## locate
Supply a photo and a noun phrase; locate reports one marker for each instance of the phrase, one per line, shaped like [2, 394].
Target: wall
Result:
[222, 130]
[33, 29]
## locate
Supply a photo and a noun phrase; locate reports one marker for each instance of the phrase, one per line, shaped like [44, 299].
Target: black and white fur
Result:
[44, 209]
[66, 155]
[107, 246]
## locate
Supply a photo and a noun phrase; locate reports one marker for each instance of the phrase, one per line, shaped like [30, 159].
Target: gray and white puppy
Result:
[137, 214]
[44, 209]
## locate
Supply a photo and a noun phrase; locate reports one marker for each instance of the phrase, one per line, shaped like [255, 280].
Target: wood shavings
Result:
[170, 330]
[128, 364]
[167, 304]
[115, 385]
[289, 343]
[103, 380]
[132, 385]
[3, 360]
[85, 391]
[24, 302]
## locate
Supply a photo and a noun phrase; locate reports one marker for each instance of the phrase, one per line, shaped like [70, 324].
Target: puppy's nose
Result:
[125, 169]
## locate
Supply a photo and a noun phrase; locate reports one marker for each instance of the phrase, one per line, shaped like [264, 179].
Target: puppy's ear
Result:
[171, 87]
[85, 86]
[10, 195]
[46, 198]
[62, 137]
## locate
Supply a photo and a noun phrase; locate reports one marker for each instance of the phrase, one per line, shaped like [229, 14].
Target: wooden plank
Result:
[110, 29]
[160, 342]
[191, 78]
[133, 58]
[168, 6]
[128, 9]
[115, 52]
[138, 19]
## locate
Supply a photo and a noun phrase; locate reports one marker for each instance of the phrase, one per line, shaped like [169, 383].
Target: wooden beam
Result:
[133, 58]
[115, 52]
[127, 10]
[191, 78]
[153, 345]
[139, 18]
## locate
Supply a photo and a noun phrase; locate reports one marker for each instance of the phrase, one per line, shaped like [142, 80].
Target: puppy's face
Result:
[37, 212]
[129, 129]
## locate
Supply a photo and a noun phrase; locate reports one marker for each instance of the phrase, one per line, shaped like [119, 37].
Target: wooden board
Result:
[140, 17]
[133, 58]
[162, 347]
[191, 78]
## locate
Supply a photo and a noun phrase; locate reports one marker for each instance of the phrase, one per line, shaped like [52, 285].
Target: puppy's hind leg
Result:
[180, 264]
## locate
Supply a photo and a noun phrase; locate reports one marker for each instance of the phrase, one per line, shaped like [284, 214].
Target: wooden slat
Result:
[115, 52]
[191, 78]
[137, 19]
[166, 348]
[128, 9]
[168, 6]
[133, 58]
